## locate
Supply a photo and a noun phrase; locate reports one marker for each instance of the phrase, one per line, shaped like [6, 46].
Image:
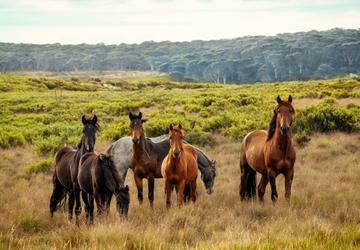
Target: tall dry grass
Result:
[323, 214]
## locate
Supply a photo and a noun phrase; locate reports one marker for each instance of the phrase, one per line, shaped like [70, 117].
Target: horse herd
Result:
[81, 172]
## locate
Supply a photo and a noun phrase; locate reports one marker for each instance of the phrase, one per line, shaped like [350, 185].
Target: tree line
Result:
[288, 56]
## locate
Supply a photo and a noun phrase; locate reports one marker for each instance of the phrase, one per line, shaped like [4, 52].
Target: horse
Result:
[66, 170]
[121, 153]
[269, 153]
[99, 179]
[179, 167]
[146, 158]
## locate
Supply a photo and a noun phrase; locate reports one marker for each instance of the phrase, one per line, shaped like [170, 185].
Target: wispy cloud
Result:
[112, 21]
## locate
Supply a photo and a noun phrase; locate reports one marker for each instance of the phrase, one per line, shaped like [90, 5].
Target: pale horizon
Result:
[123, 21]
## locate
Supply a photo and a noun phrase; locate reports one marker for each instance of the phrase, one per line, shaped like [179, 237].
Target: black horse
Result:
[99, 179]
[66, 169]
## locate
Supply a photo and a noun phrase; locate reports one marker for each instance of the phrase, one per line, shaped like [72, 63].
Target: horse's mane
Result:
[272, 124]
[113, 179]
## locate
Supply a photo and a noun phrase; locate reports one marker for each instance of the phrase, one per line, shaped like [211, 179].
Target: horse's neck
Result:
[174, 162]
[141, 149]
[283, 142]
[81, 150]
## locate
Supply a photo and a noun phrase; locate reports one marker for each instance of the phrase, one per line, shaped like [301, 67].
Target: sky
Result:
[126, 21]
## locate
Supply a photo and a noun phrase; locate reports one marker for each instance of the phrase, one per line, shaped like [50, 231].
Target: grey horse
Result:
[121, 153]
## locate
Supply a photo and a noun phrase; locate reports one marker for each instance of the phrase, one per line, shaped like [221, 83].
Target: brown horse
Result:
[270, 153]
[147, 157]
[99, 179]
[66, 169]
[179, 167]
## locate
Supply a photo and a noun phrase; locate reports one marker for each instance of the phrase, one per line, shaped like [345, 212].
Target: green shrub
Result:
[11, 139]
[325, 118]
[302, 138]
[200, 138]
[41, 166]
[116, 130]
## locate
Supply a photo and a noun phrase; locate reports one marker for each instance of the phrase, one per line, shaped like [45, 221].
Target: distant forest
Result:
[289, 56]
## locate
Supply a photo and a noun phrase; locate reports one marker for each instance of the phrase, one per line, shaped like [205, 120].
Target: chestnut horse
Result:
[66, 169]
[99, 179]
[270, 153]
[179, 167]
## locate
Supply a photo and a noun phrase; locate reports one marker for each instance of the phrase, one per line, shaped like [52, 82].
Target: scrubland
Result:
[39, 115]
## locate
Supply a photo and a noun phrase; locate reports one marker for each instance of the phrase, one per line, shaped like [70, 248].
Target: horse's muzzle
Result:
[209, 190]
[136, 141]
[284, 130]
[176, 154]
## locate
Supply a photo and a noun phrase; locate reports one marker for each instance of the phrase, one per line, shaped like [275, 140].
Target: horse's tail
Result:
[251, 183]
[58, 195]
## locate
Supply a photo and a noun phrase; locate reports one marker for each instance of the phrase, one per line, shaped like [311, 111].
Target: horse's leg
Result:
[251, 184]
[151, 186]
[91, 208]
[272, 175]
[168, 193]
[71, 204]
[85, 199]
[289, 175]
[262, 186]
[193, 190]
[139, 186]
[99, 204]
[180, 186]
[77, 202]
[108, 202]
[187, 192]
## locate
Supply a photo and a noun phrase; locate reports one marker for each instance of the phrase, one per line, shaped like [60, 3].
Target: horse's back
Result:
[252, 150]
[121, 154]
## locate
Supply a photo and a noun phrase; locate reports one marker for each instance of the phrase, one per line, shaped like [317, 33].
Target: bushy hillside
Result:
[297, 56]
[46, 112]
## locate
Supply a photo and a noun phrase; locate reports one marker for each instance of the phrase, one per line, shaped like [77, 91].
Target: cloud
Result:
[114, 22]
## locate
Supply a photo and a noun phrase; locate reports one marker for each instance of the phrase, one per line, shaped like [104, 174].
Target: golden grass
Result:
[324, 211]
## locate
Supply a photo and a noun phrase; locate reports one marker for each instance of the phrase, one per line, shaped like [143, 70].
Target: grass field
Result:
[324, 211]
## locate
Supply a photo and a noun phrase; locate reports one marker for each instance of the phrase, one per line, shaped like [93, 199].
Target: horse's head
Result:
[176, 136]
[89, 131]
[208, 177]
[122, 200]
[136, 127]
[284, 115]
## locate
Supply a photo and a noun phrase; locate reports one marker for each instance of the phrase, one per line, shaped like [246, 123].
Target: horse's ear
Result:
[140, 115]
[180, 126]
[171, 127]
[83, 119]
[290, 99]
[278, 99]
[94, 120]
[143, 120]
[214, 162]
[126, 188]
[131, 116]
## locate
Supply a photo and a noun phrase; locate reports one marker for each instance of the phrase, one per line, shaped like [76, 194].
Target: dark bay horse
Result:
[99, 179]
[179, 167]
[66, 169]
[146, 158]
[269, 153]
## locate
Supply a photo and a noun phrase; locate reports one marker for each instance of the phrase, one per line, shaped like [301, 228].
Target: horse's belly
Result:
[255, 158]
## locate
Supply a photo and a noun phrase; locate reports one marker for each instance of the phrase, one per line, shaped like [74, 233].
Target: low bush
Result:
[11, 139]
[200, 139]
[325, 118]
[41, 166]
